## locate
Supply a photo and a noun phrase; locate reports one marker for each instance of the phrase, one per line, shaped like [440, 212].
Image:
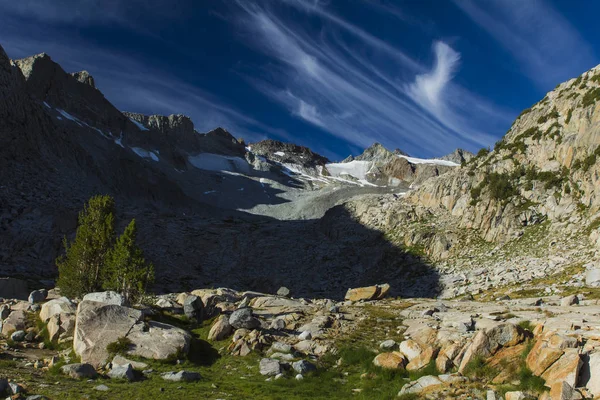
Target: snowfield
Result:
[217, 162]
[414, 160]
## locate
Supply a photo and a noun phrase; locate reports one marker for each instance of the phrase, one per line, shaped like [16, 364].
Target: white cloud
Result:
[547, 47]
[428, 87]
[336, 85]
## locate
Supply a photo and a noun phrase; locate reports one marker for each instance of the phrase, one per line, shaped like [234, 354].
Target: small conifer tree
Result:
[80, 268]
[126, 269]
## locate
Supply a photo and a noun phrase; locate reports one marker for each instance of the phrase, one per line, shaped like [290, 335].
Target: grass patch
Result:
[477, 368]
[526, 325]
[120, 346]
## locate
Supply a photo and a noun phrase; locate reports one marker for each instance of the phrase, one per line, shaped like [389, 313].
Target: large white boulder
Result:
[108, 297]
[99, 324]
[58, 306]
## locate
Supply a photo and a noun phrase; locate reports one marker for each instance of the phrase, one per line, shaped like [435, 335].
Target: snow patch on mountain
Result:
[145, 153]
[217, 162]
[415, 160]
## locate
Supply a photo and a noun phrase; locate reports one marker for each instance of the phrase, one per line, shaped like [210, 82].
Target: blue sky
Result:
[424, 76]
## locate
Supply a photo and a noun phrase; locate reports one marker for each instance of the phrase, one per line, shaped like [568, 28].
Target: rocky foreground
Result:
[221, 343]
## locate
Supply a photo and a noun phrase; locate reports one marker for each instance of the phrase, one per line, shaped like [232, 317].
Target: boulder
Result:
[16, 321]
[303, 367]
[158, 341]
[79, 370]
[269, 367]
[4, 311]
[122, 372]
[423, 383]
[99, 324]
[569, 300]
[193, 308]
[562, 391]
[376, 292]
[388, 345]
[108, 297]
[243, 318]
[565, 369]
[122, 361]
[422, 360]
[220, 329]
[592, 277]
[61, 305]
[593, 383]
[181, 376]
[516, 395]
[18, 336]
[393, 360]
[487, 342]
[37, 296]
[411, 349]
[283, 292]
[277, 324]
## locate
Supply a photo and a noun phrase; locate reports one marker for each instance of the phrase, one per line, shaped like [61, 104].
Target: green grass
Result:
[120, 346]
[477, 368]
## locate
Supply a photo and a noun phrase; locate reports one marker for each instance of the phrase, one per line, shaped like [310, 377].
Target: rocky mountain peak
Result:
[84, 77]
[376, 152]
[288, 153]
[458, 156]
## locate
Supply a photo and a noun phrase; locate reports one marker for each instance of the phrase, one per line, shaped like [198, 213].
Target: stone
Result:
[53, 327]
[101, 388]
[193, 308]
[122, 372]
[37, 296]
[565, 369]
[393, 360]
[423, 383]
[516, 395]
[446, 356]
[490, 395]
[592, 277]
[99, 324]
[593, 384]
[14, 388]
[61, 305]
[411, 349]
[561, 391]
[221, 329]
[18, 336]
[303, 367]
[269, 367]
[277, 324]
[36, 397]
[283, 292]
[15, 322]
[4, 311]
[243, 318]
[487, 342]
[376, 292]
[569, 300]
[108, 297]
[388, 345]
[122, 361]
[305, 335]
[422, 360]
[279, 347]
[181, 376]
[79, 370]
[158, 341]
[299, 377]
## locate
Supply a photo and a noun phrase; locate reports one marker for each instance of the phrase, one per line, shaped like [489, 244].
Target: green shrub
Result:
[80, 268]
[121, 346]
[577, 81]
[500, 186]
[483, 152]
[569, 115]
[590, 97]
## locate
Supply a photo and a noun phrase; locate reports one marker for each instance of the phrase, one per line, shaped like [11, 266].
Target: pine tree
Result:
[80, 268]
[126, 269]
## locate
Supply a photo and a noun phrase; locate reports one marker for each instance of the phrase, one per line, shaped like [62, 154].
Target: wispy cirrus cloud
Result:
[547, 47]
[335, 85]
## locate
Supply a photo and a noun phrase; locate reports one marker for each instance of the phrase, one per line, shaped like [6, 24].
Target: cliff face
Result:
[534, 197]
